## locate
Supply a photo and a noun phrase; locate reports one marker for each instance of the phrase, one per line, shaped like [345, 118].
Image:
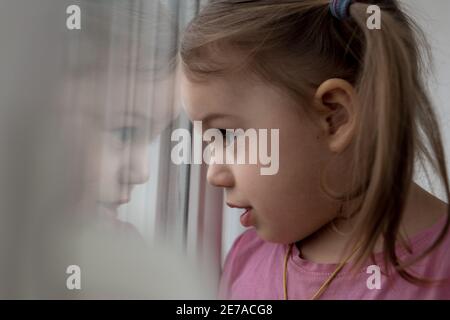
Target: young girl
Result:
[343, 218]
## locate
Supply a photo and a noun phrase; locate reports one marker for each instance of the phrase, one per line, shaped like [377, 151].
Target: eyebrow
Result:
[136, 114]
[212, 116]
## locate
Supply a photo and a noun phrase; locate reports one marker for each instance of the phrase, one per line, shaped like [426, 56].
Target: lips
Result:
[123, 201]
[109, 209]
[237, 206]
[246, 218]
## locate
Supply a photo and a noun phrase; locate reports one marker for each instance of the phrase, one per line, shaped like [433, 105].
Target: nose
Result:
[220, 175]
[135, 169]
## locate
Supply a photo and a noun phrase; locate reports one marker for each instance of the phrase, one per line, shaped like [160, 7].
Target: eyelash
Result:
[223, 132]
[227, 135]
[125, 134]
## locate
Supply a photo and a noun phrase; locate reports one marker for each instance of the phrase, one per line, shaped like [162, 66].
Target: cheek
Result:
[300, 164]
[291, 204]
[289, 208]
[108, 172]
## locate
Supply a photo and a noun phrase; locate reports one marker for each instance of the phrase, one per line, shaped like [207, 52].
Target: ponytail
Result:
[397, 120]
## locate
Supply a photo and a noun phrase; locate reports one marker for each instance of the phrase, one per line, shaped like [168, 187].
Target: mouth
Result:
[122, 201]
[236, 206]
[247, 217]
[109, 209]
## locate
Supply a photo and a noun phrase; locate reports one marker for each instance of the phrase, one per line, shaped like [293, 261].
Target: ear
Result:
[336, 102]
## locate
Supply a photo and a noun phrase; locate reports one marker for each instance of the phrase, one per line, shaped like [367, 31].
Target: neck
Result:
[334, 241]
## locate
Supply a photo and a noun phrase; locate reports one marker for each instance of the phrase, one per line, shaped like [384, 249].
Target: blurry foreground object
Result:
[78, 110]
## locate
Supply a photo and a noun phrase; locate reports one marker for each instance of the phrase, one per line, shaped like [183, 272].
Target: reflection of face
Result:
[119, 81]
[285, 207]
[120, 123]
[124, 158]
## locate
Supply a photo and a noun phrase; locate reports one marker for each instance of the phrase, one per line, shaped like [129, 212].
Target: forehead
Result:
[214, 95]
[119, 98]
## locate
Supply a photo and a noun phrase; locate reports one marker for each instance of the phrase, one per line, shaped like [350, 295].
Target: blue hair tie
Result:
[340, 9]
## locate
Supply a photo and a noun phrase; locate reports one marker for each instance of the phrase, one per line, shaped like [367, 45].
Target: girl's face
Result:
[126, 136]
[117, 131]
[285, 207]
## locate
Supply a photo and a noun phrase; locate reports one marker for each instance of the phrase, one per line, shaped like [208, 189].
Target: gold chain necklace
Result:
[327, 282]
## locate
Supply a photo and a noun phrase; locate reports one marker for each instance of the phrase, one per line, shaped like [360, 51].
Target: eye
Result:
[223, 132]
[125, 134]
[228, 135]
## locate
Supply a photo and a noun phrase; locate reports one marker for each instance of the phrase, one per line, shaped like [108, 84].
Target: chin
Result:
[274, 237]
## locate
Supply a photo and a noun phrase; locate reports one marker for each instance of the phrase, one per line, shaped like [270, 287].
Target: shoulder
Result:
[442, 250]
[436, 263]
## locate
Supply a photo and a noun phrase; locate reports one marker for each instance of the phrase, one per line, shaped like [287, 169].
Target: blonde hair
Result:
[297, 45]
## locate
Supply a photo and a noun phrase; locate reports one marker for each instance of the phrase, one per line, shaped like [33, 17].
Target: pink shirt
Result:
[254, 270]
